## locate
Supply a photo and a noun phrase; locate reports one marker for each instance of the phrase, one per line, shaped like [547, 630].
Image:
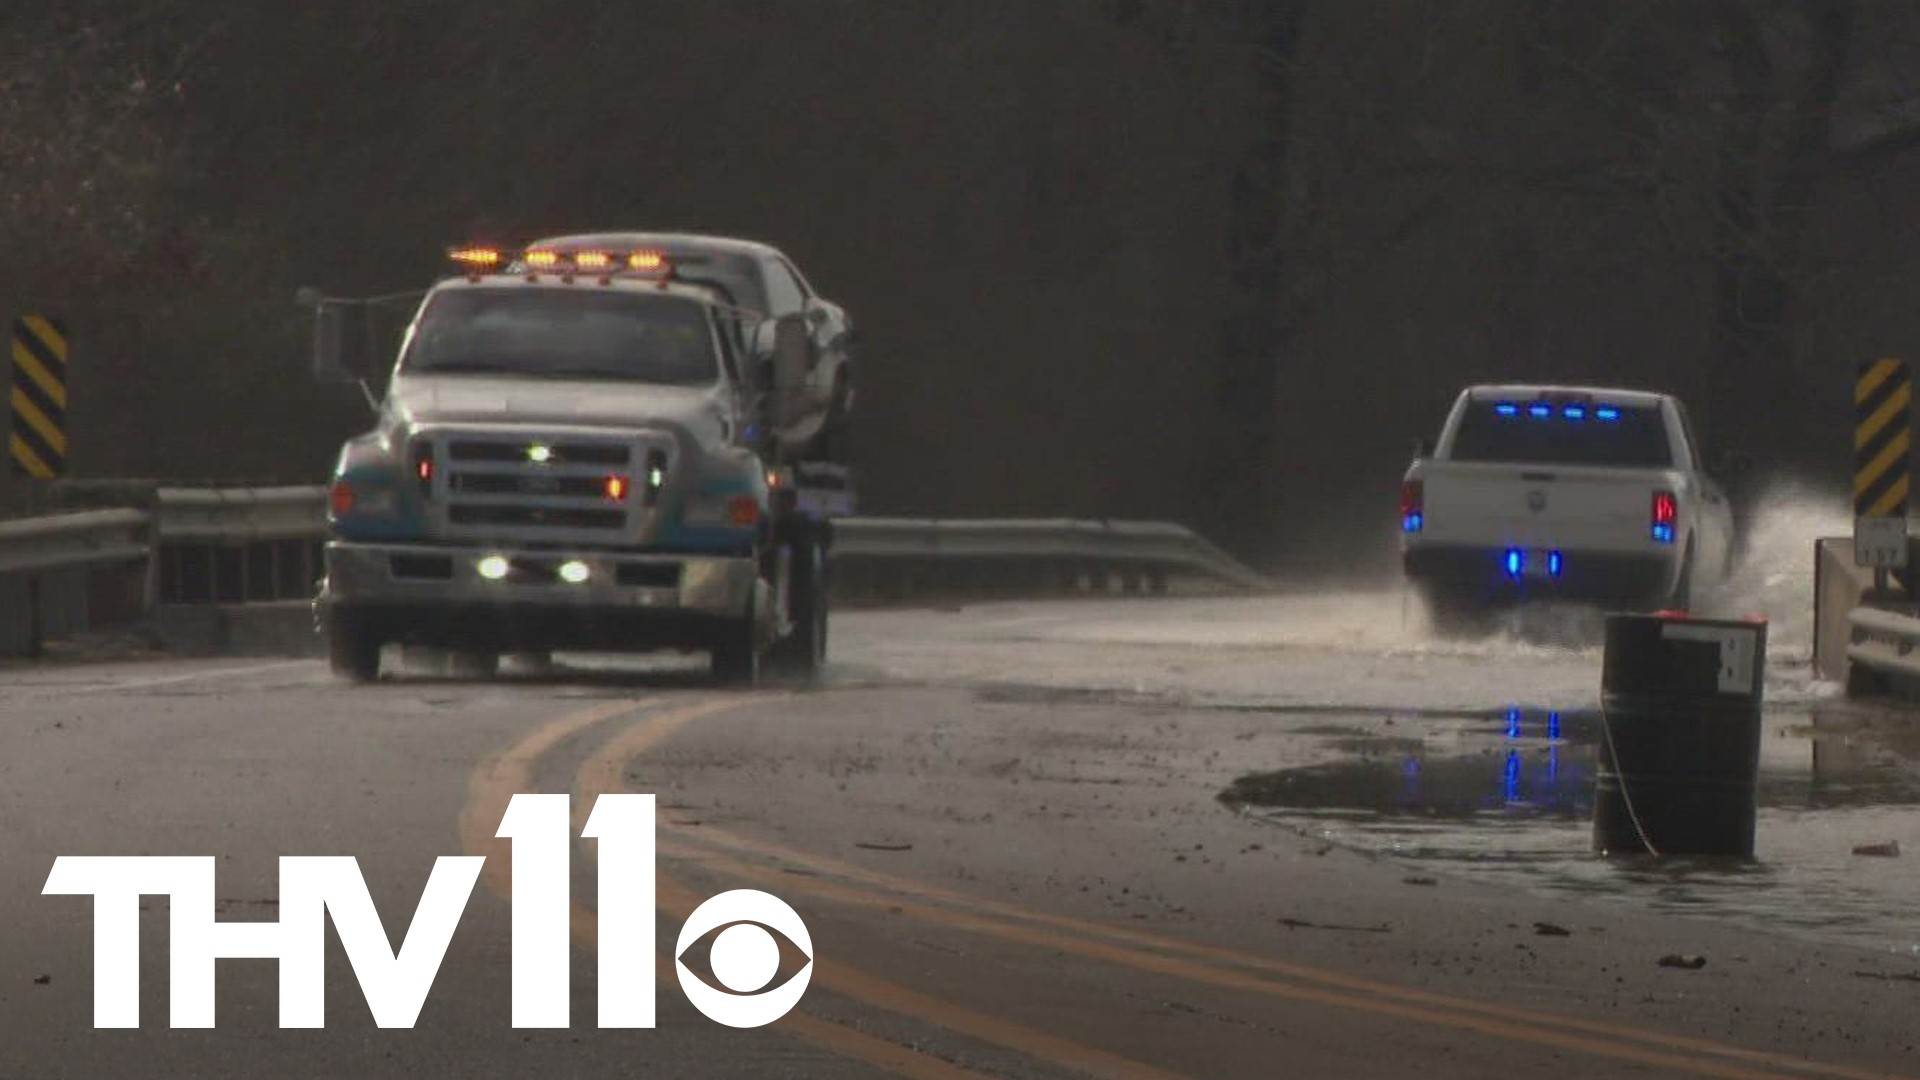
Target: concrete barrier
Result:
[1838, 587]
[275, 629]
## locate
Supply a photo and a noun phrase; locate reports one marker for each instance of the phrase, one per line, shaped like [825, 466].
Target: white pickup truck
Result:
[1578, 493]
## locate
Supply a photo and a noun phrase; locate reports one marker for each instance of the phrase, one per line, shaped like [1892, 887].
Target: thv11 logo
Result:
[745, 956]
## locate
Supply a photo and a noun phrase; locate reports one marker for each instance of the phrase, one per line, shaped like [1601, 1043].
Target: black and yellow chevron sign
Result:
[37, 441]
[1882, 422]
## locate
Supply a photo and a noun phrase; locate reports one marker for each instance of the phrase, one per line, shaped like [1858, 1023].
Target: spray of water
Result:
[1773, 576]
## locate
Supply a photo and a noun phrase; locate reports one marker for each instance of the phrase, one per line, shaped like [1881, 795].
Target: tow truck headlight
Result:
[348, 499]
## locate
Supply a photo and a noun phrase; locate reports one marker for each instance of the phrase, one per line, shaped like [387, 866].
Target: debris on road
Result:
[873, 846]
[1685, 963]
[1888, 850]
[1889, 976]
[1303, 924]
[1547, 929]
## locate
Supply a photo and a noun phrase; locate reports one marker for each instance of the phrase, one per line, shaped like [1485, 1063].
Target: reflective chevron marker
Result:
[1882, 423]
[37, 440]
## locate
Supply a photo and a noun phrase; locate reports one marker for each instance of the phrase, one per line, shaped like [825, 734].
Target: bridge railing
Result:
[176, 546]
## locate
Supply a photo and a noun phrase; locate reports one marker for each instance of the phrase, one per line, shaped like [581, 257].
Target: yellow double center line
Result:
[604, 772]
[511, 773]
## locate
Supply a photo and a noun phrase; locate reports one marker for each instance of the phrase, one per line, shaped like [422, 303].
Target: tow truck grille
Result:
[575, 487]
[554, 516]
[562, 453]
[523, 485]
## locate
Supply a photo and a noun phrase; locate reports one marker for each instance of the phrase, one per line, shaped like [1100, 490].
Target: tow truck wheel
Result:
[802, 654]
[352, 652]
[736, 656]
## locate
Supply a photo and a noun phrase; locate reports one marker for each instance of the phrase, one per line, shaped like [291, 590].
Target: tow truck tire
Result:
[352, 652]
[736, 656]
[801, 654]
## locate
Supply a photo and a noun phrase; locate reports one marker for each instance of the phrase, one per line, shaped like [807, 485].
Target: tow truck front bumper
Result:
[437, 595]
[1481, 574]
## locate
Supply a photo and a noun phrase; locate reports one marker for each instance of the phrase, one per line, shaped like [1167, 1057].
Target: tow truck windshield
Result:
[563, 333]
[1548, 434]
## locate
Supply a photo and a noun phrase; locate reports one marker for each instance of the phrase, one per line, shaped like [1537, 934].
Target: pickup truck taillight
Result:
[1666, 514]
[1413, 513]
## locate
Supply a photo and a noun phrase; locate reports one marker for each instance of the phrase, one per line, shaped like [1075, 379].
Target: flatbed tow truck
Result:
[580, 448]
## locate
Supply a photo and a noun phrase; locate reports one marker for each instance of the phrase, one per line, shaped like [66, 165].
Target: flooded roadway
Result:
[1477, 757]
[1508, 797]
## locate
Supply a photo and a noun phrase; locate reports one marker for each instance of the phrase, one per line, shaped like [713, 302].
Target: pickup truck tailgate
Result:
[1499, 504]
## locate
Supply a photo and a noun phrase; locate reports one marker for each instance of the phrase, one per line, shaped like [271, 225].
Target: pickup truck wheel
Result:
[352, 651]
[1681, 599]
[801, 655]
[1452, 615]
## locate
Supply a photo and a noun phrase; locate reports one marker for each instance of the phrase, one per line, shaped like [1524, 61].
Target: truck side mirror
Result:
[329, 361]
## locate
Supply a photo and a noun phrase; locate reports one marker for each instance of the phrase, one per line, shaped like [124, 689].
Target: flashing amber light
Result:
[475, 258]
[646, 260]
[593, 260]
[340, 499]
[743, 511]
[543, 260]
[616, 488]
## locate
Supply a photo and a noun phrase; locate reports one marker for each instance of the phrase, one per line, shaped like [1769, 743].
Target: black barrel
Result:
[1680, 738]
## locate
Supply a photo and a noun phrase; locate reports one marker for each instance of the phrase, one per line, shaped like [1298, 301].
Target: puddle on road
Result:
[1508, 797]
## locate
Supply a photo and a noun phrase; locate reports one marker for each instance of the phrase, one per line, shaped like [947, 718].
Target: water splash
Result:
[1774, 574]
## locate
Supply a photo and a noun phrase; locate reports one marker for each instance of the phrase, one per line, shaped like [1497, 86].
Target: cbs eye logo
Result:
[744, 957]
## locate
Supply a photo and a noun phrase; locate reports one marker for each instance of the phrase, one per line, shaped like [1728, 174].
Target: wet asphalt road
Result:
[1003, 828]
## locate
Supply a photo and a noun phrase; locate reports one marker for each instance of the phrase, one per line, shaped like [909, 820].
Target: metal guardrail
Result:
[235, 545]
[1885, 642]
[63, 541]
[241, 515]
[1146, 546]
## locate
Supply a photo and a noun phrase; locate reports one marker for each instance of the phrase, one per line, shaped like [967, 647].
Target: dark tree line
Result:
[1213, 260]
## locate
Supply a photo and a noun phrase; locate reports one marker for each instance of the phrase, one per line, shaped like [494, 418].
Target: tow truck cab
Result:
[1539, 492]
[571, 453]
